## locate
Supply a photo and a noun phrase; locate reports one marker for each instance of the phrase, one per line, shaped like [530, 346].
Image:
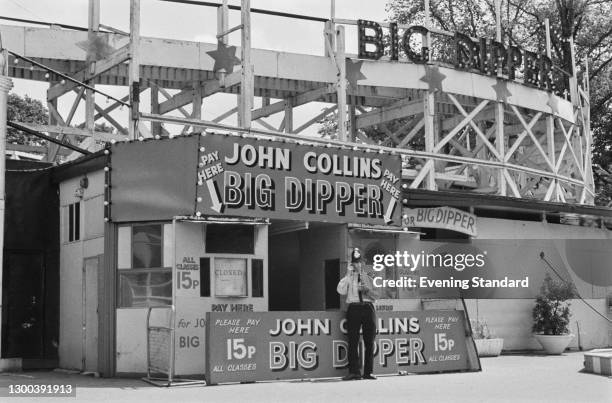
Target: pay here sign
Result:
[261, 178]
[255, 346]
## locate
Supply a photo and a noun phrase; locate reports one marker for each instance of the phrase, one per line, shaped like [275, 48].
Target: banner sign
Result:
[441, 217]
[273, 179]
[257, 346]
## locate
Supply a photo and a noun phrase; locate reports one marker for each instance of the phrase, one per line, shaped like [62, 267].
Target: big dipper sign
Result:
[274, 179]
[483, 56]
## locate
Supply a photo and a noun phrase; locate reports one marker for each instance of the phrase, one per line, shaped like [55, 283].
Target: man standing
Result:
[360, 297]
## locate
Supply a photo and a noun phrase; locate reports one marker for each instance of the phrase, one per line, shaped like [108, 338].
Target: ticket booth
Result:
[194, 266]
[218, 223]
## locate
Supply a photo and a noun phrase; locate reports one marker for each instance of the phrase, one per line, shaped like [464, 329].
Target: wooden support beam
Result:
[341, 85]
[430, 139]
[300, 99]
[400, 109]
[265, 124]
[90, 95]
[413, 132]
[75, 105]
[110, 120]
[315, 119]
[288, 119]
[225, 115]
[245, 99]
[74, 131]
[533, 137]
[352, 122]
[54, 119]
[134, 69]
[500, 142]
[108, 109]
[222, 24]
[466, 120]
[209, 87]
[26, 148]
[155, 126]
[521, 137]
[101, 66]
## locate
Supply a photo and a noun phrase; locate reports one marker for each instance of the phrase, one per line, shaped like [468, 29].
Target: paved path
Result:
[511, 378]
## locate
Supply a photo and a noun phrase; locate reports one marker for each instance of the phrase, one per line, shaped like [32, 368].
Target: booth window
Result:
[74, 222]
[233, 238]
[144, 279]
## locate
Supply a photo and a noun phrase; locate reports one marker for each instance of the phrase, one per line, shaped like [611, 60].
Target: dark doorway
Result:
[332, 277]
[23, 305]
[284, 274]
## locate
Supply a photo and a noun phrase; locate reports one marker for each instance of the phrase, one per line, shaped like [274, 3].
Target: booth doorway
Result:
[305, 261]
[332, 277]
[91, 267]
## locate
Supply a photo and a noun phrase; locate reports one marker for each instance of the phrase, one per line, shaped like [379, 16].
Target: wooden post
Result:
[500, 140]
[586, 124]
[155, 126]
[134, 68]
[245, 100]
[341, 84]
[429, 111]
[52, 148]
[90, 96]
[352, 122]
[288, 116]
[550, 122]
[430, 143]
[222, 26]
[573, 81]
[329, 29]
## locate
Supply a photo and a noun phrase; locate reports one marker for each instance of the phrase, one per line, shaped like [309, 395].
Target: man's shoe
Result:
[369, 376]
[351, 377]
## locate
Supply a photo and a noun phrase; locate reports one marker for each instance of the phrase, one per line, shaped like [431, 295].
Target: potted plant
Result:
[486, 344]
[551, 315]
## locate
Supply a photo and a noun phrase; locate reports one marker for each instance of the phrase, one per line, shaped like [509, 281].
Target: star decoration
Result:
[553, 102]
[97, 46]
[353, 72]
[434, 78]
[501, 90]
[225, 57]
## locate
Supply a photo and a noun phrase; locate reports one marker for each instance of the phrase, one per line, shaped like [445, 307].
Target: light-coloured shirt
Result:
[349, 286]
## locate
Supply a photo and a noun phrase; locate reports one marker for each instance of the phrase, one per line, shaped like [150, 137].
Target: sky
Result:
[195, 23]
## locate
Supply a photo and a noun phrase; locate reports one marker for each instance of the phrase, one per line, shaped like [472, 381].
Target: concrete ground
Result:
[510, 378]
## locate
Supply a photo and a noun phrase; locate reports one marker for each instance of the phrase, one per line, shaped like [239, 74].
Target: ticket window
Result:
[231, 267]
[145, 265]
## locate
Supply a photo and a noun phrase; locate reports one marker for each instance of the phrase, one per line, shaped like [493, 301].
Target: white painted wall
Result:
[511, 318]
[71, 263]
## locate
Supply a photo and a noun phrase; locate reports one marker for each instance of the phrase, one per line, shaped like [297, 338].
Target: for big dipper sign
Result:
[264, 178]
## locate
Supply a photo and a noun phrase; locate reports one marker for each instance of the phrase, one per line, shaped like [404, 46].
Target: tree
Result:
[587, 22]
[26, 110]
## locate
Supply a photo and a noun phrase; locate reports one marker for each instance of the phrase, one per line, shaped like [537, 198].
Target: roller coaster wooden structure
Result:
[528, 143]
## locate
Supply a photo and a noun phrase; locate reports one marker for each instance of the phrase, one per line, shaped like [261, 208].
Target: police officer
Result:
[360, 315]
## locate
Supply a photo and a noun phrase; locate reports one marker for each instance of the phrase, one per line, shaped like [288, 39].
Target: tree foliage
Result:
[26, 110]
